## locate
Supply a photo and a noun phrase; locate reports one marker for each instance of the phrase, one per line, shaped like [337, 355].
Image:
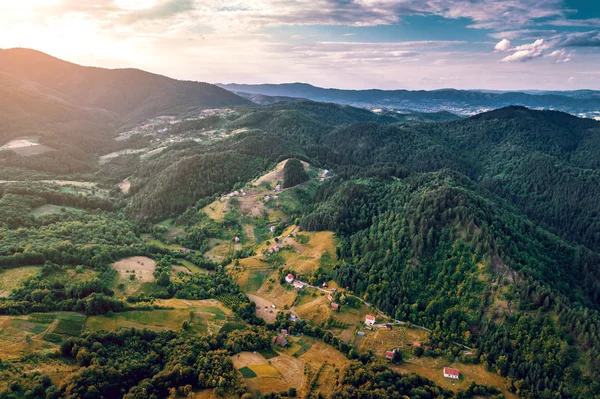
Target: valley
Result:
[218, 248]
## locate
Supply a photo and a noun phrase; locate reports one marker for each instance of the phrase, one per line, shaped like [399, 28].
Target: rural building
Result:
[390, 354]
[324, 285]
[330, 297]
[284, 331]
[298, 284]
[361, 333]
[369, 320]
[449, 372]
[280, 341]
[272, 228]
[236, 239]
[335, 306]
[289, 278]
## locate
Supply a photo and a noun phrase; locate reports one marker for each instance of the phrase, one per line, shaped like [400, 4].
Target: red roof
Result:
[370, 318]
[335, 305]
[284, 331]
[451, 371]
[389, 354]
[290, 275]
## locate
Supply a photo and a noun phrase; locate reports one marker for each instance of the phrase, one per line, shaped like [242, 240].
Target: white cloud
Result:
[522, 34]
[502, 45]
[527, 52]
[561, 56]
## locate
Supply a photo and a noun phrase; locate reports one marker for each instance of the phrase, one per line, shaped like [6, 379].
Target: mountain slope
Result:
[133, 94]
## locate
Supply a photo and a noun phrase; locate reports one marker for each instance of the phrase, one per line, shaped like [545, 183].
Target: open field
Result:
[433, 369]
[139, 266]
[105, 158]
[27, 146]
[36, 333]
[13, 278]
[156, 320]
[203, 316]
[264, 308]
[50, 209]
[289, 370]
[216, 209]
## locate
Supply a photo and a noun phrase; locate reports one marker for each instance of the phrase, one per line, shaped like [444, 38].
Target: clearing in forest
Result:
[11, 279]
[140, 266]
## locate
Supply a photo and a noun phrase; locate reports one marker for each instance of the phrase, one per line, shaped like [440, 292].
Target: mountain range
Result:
[465, 102]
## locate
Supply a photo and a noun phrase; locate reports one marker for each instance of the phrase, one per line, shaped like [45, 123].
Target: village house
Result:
[449, 372]
[369, 320]
[289, 278]
[280, 341]
[272, 229]
[324, 285]
[390, 354]
[236, 239]
[284, 331]
[361, 333]
[298, 285]
[335, 306]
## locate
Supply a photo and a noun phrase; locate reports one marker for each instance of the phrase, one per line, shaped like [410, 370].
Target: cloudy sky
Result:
[413, 44]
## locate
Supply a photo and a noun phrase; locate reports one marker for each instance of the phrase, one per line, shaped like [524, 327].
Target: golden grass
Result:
[142, 267]
[264, 308]
[13, 278]
[433, 369]
[264, 370]
[215, 210]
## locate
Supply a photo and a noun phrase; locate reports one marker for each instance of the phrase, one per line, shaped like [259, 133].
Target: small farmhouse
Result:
[369, 320]
[390, 354]
[289, 278]
[298, 284]
[280, 341]
[449, 372]
[335, 306]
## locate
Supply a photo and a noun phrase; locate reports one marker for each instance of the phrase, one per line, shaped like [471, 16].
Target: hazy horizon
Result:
[357, 44]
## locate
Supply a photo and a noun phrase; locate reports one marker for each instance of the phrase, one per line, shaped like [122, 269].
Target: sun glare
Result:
[135, 4]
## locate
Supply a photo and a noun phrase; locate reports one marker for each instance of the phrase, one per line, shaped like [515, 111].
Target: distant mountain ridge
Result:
[466, 102]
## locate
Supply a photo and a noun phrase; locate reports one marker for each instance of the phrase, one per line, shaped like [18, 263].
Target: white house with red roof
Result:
[369, 320]
[298, 284]
[390, 354]
[289, 278]
[449, 372]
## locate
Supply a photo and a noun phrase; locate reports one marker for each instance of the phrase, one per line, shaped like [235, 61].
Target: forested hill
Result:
[133, 94]
[484, 229]
[464, 101]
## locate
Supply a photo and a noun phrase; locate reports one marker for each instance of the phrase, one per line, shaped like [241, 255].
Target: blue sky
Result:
[388, 44]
